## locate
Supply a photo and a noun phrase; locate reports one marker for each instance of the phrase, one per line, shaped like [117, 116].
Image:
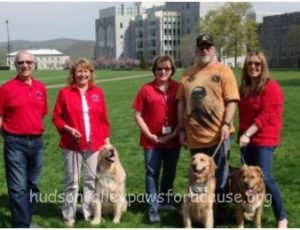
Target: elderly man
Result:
[208, 95]
[23, 104]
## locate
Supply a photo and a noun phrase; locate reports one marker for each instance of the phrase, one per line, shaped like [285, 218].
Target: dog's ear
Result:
[213, 164]
[212, 167]
[259, 171]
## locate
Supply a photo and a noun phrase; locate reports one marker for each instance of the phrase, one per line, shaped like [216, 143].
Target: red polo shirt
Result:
[23, 106]
[265, 110]
[68, 110]
[154, 108]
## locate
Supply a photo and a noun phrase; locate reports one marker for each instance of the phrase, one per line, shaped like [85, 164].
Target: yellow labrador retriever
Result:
[248, 190]
[199, 199]
[110, 194]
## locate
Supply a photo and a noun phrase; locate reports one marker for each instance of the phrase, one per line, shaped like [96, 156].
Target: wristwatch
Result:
[247, 135]
[226, 123]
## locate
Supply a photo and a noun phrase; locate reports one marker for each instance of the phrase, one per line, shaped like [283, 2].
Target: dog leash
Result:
[84, 161]
[242, 154]
[217, 148]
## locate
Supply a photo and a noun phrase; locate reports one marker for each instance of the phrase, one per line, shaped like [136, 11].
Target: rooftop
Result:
[38, 52]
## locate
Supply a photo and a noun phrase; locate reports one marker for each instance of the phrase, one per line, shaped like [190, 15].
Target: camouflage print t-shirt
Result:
[205, 92]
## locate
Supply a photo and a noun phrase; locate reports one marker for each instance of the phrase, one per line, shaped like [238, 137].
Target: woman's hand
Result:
[73, 132]
[244, 140]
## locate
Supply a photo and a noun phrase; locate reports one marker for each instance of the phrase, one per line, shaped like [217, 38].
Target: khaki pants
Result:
[73, 162]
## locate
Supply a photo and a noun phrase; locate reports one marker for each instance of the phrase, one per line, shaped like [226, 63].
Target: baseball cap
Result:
[204, 38]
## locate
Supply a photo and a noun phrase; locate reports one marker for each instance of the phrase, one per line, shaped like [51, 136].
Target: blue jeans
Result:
[221, 159]
[23, 164]
[262, 157]
[154, 158]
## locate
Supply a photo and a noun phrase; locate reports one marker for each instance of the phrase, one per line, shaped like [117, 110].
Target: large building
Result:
[279, 37]
[45, 59]
[145, 30]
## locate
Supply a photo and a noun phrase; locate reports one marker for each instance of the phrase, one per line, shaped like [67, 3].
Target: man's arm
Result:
[228, 118]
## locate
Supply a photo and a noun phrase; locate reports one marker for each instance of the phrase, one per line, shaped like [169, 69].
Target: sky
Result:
[39, 21]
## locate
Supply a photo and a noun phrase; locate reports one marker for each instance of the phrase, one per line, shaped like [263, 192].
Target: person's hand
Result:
[75, 134]
[225, 132]
[155, 139]
[244, 140]
[166, 138]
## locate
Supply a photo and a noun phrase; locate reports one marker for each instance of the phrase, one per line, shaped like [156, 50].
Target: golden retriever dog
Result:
[248, 190]
[199, 199]
[110, 186]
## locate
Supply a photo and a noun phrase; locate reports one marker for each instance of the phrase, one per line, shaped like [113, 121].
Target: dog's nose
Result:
[111, 152]
[246, 184]
[194, 167]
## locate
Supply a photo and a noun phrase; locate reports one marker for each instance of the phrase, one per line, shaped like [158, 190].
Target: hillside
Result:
[72, 47]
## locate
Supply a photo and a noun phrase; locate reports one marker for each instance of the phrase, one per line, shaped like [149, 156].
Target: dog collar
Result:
[198, 187]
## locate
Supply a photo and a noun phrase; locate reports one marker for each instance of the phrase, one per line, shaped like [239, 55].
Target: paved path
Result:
[104, 80]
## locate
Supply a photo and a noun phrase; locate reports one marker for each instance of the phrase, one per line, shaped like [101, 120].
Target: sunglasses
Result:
[204, 47]
[163, 68]
[255, 63]
[23, 62]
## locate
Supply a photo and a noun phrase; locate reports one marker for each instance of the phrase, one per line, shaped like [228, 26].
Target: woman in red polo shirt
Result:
[260, 123]
[81, 119]
[156, 116]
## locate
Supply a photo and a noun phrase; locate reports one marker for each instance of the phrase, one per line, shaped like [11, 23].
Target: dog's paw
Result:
[95, 221]
[116, 220]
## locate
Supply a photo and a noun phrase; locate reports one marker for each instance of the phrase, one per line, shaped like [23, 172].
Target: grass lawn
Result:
[125, 136]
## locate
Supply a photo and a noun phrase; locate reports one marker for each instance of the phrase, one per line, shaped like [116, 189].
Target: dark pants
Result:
[262, 157]
[23, 164]
[154, 158]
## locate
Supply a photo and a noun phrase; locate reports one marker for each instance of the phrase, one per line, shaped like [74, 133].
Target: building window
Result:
[121, 25]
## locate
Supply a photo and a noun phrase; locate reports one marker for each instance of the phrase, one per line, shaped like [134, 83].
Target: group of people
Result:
[80, 117]
[196, 112]
[203, 103]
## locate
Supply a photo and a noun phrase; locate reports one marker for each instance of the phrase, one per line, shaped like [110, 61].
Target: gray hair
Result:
[22, 52]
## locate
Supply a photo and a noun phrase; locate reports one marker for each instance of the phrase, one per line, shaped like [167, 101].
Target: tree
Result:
[233, 32]
[143, 63]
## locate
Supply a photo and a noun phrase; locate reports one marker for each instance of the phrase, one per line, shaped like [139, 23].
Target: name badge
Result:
[166, 130]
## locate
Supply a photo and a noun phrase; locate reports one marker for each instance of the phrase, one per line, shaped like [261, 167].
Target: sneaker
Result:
[153, 216]
[69, 224]
[34, 226]
[169, 207]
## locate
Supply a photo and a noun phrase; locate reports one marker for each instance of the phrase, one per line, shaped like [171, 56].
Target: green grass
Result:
[125, 136]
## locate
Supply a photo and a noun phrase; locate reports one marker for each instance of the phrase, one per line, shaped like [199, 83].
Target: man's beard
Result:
[205, 59]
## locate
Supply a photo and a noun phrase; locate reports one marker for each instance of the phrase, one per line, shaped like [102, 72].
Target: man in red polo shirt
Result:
[23, 104]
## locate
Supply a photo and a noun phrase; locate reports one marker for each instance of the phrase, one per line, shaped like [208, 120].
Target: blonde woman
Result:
[260, 123]
[81, 119]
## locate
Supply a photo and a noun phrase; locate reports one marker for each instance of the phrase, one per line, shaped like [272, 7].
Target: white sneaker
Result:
[69, 224]
[35, 226]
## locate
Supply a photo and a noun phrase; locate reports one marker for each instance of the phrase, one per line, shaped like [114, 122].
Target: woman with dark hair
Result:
[260, 123]
[156, 116]
[81, 119]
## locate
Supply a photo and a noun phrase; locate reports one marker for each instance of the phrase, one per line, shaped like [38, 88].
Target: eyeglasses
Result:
[163, 68]
[204, 47]
[23, 62]
[255, 63]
